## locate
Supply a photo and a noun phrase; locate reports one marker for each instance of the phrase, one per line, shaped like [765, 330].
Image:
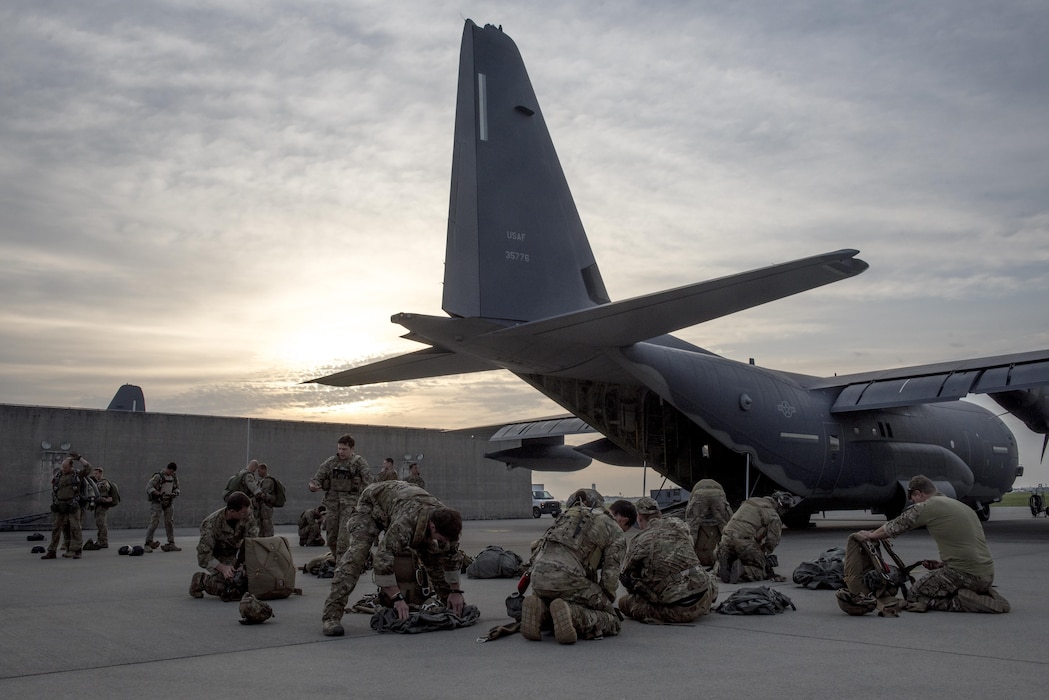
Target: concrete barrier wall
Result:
[208, 450]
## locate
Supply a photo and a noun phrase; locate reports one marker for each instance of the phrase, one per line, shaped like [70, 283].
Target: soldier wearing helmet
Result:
[751, 536]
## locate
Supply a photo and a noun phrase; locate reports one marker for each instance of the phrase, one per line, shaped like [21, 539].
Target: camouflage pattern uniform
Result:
[666, 581]
[963, 550]
[415, 480]
[388, 474]
[106, 489]
[578, 560]
[220, 542]
[162, 505]
[264, 505]
[65, 510]
[707, 513]
[310, 528]
[342, 480]
[403, 511]
[753, 532]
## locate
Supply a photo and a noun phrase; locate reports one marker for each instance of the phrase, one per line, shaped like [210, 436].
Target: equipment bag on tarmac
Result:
[826, 571]
[761, 600]
[495, 562]
[269, 567]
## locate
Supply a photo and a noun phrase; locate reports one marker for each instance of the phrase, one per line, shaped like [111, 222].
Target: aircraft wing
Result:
[634, 320]
[942, 381]
[428, 362]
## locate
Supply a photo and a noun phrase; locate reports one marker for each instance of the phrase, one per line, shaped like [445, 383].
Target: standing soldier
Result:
[108, 497]
[162, 490]
[574, 571]
[266, 501]
[414, 477]
[246, 482]
[342, 477]
[707, 514]
[751, 536]
[65, 506]
[662, 574]
[389, 470]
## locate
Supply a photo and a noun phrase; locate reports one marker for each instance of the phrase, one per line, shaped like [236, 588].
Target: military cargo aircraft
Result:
[523, 293]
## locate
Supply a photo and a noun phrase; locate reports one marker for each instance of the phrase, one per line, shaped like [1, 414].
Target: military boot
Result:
[564, 630]
[990, 602]
[49, 555]
[724, 567]
[532, 612]
[171, 547]
[332, 628]
[196, 585]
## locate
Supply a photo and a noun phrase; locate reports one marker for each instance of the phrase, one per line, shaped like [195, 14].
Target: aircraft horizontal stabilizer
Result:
[429, 362]
[942, 381]
[634, 320]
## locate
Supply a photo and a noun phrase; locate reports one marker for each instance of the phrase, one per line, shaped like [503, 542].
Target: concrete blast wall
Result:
[131, 446]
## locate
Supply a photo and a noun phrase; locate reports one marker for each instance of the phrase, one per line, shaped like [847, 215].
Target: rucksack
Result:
[280, 496]
[269, 567]
[232, 485]
[826, 571]
[495, 562]
[761, 600]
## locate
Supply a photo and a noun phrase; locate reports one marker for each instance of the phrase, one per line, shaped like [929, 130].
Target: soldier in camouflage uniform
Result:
[310, 523]
[962, 580]
[65, 506]
[389, 470]
[414, 521]
[574, 571]
[707, 514]
[342, 477]
[162, 490]
[221, 536]
[263, 503]
[248, 482]
[750, 536]
[663, 575]
[108, 497]
[414, 478]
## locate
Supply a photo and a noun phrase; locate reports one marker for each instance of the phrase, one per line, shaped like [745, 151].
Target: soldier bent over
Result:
[413, 520]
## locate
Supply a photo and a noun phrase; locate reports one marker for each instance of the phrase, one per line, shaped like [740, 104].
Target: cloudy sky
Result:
[219, 200]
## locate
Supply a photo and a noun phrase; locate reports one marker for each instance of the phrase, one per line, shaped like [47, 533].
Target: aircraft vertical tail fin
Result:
[516, 248]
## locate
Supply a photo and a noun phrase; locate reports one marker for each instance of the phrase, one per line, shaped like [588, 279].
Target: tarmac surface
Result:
[115, 626]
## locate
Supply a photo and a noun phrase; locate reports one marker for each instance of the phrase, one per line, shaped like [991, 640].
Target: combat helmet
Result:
[253, 611]
[785, 499]
[586, 497]
[855, 603]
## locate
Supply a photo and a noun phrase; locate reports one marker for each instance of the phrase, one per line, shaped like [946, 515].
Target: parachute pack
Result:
[495, 562]
[826, 571]
[760, 600]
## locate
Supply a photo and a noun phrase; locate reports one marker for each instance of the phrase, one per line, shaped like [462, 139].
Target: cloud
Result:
[212, 199]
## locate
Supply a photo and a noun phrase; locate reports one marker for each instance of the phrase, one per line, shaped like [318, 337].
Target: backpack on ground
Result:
[760, 600]
[826, 571]
[495, 562]
[269, 567]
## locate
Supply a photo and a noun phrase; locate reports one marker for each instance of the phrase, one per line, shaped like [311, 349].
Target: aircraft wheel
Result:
[535, 512]
[983, 513]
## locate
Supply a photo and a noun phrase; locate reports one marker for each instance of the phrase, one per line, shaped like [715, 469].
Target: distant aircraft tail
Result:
[128, 398]
[516, 248]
